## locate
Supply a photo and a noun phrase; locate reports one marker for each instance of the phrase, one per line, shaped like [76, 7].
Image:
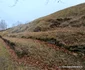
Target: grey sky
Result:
[28, 10]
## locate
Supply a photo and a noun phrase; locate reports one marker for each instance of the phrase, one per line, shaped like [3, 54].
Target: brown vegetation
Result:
[48, 42]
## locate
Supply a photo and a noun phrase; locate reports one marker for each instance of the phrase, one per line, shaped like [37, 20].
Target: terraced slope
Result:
[46, 43]
[10, 61]
[71, 39]
[43, 55]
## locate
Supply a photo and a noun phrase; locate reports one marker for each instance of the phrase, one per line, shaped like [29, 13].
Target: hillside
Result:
[69, 17]
[63, 28]
[48, 43]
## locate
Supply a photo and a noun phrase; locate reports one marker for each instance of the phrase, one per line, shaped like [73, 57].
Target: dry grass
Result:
[44, 53]
[6, 63]
[72, 39]
[73, 17]
[65, 28]
[68, 36]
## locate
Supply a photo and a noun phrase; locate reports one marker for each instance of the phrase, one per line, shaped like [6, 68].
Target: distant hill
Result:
[69, 17]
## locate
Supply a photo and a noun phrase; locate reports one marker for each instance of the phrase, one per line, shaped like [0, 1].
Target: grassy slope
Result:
[72, 39]
[70, 33]
[8, 60]
[5, 60]
[44, 55]
[75, 13]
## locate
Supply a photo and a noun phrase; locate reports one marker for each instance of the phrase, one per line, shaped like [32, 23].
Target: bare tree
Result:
[3, 25]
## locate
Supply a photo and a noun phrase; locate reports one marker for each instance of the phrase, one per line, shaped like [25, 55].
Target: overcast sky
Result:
[28, 10]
